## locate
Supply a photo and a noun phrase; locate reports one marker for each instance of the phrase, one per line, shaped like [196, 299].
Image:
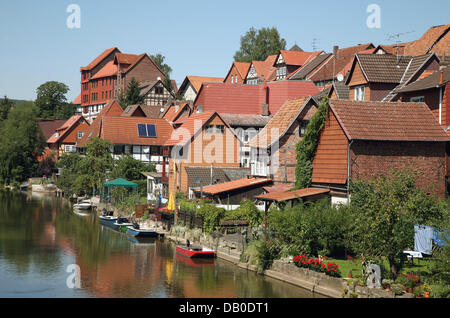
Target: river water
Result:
[44, 245]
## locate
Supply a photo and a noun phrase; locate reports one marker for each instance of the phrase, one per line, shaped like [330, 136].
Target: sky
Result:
[197, 37]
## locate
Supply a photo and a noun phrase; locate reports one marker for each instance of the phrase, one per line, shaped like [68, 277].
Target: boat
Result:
[195, 251]
[82, 206]
[138, 232]
[24, 186]
[121, 225]
[195, 262]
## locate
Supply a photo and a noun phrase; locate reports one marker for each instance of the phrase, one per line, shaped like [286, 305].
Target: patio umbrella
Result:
[171, 204]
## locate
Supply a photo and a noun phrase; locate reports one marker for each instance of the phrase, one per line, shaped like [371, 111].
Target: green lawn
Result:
[418, 266]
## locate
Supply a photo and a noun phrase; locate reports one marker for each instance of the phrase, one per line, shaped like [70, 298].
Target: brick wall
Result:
[371, 158]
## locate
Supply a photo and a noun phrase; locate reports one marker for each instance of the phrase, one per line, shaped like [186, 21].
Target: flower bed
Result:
[331, 269]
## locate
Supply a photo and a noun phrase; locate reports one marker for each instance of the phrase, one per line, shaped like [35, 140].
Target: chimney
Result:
[335, 50]
[441, 81]
[265, 99]
[265, 109]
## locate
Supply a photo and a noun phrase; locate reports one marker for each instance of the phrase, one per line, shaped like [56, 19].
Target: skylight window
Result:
[147, 130]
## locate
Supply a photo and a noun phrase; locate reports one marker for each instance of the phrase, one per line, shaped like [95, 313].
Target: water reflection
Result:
[41, 235]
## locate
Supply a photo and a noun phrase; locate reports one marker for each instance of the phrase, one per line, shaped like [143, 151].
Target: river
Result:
[44, 245]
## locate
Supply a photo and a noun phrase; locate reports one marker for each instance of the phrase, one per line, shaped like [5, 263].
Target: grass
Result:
[418, 266]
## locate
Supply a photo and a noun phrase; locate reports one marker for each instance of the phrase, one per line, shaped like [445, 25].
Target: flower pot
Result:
[350, 276]
[426, 294]
[410, 290]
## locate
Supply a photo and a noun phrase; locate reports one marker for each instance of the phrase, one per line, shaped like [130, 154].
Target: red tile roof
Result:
[127, 61]
[49, 127]
[189, 127]
[108, 70]
[197, 81]
[387, 121]
[247, 99]
[436, 39]
[280, 123]
[77, 101]
[112, 108]
[297, 57]
[66, 127]
[235, 185]
[290, 195]
[124, 131]
[99, 58]
[174, 111]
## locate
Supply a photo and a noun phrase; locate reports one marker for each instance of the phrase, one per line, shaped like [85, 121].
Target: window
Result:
[69, 148]
[302, 127]
[220, 129]
[118, 150]
[209, 129]
[147, 130]
[281, 72]
[417, 99]
[80, 134]
[359, 93]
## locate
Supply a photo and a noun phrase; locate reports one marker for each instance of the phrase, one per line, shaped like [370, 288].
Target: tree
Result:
[5, 106]
[257, 45]
[166, 69]
[51, 97]
[129, 168]
[20, 143]
[385, 211]
[132, 96]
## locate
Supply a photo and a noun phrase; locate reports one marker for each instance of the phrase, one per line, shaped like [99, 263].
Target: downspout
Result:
[348, 170]
[440, 105]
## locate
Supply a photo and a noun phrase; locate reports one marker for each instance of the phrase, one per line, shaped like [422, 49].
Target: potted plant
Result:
[350, 275]
[386, 283]
[426, 290]
[418, 292]
[397, 289]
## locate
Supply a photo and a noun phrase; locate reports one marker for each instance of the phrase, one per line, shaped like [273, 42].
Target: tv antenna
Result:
[396, 38]
[313, 44]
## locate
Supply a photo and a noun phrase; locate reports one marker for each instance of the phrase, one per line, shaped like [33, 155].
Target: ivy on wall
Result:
[306, 148]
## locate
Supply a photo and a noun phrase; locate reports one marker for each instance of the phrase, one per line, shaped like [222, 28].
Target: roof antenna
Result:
[396, 38]
[313, 44]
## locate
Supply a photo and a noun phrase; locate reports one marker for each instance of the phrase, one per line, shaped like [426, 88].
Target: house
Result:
[65, 138]
[201, 140]
[273, 150]
[324, 68]
[178, 110]
[191, 86]
[108, 75]
[434, 90]
[261, 71]
[154, 93]
[263, 99]
[47, 129]
[363, 139]
[237, 73]
[376, 77]
[435, 40]
[288, 62]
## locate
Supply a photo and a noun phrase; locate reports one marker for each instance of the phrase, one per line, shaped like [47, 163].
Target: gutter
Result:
[348, 169]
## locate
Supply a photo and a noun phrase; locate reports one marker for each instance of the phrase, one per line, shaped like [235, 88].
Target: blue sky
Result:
[197, 37]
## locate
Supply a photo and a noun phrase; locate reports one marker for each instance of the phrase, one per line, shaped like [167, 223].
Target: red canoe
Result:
[195, 251]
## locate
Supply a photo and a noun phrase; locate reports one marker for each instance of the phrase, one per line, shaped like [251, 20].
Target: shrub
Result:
[211, 216]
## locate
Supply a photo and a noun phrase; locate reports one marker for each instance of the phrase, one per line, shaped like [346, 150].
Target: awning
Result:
[291, 195]
[234, 185]
[120, 183]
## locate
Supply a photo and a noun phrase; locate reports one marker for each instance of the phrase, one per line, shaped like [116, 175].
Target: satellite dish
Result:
[340, 77]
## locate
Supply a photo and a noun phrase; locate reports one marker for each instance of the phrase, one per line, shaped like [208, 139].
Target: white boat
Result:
[82, 206]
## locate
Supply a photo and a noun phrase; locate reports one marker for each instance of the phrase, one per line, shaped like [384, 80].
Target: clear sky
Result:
[197, 37]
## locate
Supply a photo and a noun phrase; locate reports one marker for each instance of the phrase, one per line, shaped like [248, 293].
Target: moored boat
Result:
[138, 232]
[195, 251]
[82, 206]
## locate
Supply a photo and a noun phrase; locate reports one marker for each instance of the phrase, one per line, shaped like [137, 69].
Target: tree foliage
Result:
[51, 101]
[257, 45]
[129, 168]
[306, 147]
[165, 68]
[5, 106]
[132, 95]
[20, 143]
[385, 211]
